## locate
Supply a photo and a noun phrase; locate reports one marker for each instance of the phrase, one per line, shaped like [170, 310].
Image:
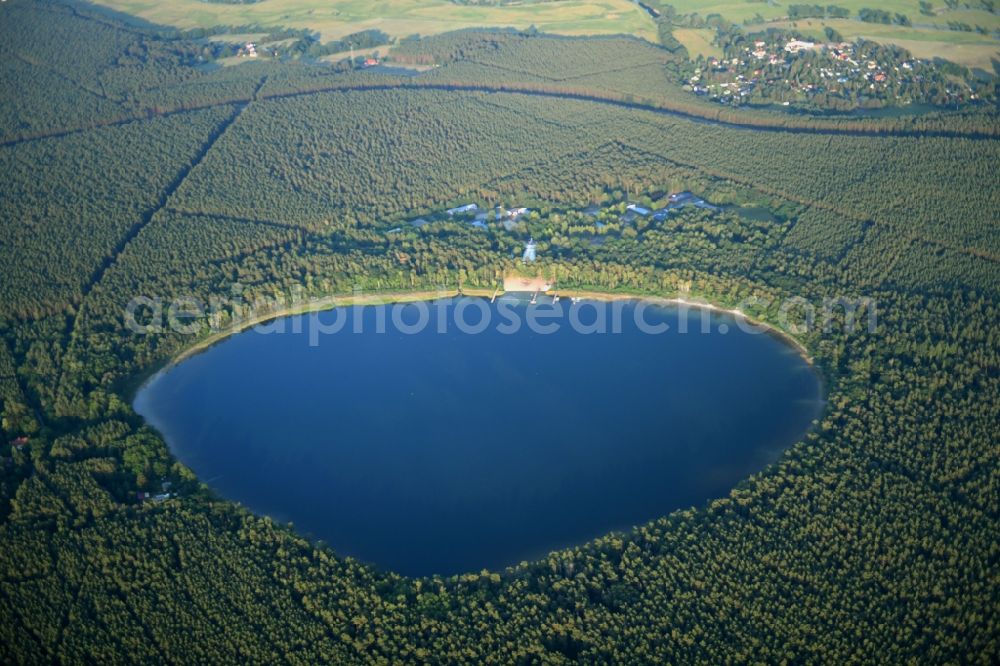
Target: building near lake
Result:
[530, 252]
[459, 210]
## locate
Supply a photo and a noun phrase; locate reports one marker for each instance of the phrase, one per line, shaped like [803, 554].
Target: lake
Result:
[449, 449]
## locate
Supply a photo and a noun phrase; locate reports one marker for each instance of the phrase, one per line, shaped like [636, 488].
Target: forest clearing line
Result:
[148, 217]
[523, 89]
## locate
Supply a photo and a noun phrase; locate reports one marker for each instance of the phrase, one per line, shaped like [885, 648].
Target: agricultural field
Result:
[698, 42]
[867, 540]
[739, 11]
[929, 36]
[971, 54]
[399, 18]
[965, 48]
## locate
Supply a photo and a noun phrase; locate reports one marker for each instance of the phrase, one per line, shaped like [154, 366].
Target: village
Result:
[789, 71]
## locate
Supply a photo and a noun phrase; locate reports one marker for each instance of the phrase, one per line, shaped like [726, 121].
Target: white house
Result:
[797, 45]
[467, 208]
[529, 251]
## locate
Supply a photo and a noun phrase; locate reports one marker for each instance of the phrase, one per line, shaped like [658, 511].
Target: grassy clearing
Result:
[736, 11]
[238, 37]
[698, 41]
[741, 10]
[372, 52]
[928, 37]
[966, 48]
[399, 18]
[980, 55]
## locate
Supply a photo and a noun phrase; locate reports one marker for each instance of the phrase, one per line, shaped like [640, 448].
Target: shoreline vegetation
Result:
[323, 304]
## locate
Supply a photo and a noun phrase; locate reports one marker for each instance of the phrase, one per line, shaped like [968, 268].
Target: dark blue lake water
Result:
[448, 452]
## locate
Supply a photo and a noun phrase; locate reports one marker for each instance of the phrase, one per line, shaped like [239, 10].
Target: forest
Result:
[135, 171]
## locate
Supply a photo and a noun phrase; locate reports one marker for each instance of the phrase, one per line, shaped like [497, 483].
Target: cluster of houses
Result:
[734, 79]
[847, 65]
[508, 218]
[478, 217]
[664, 207]
[250, 50]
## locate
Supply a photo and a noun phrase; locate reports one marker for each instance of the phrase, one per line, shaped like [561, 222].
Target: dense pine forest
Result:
[133, 169]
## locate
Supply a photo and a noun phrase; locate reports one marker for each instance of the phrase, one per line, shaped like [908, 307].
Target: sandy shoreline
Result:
[385, 298]
[701, 305]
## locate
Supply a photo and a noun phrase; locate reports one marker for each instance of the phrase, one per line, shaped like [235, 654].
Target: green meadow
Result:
[967, 48]
[742, 10]
[399, 18]
[698, 41]
[929, 35]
